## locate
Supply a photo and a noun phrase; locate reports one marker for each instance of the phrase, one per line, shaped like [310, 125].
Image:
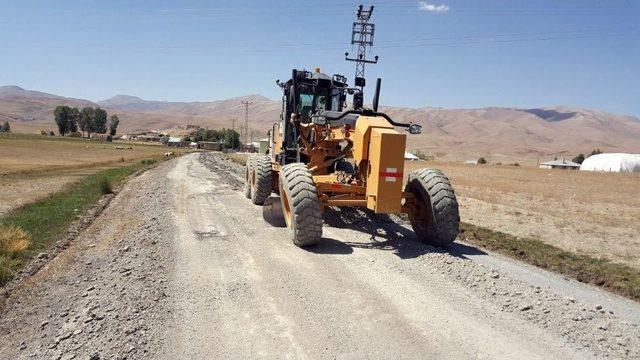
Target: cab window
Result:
[305, 106]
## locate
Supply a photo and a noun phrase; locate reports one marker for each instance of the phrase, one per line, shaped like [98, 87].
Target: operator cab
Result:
[308, 94]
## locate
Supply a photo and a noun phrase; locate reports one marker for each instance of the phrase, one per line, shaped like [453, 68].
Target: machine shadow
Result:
[385, 234]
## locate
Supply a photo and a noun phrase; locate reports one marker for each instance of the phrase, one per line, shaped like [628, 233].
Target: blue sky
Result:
[432, 53]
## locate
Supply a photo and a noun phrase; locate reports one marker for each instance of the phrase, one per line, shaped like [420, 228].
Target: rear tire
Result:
[439, 225]
[263, 179]
[247, 177]
[300, 204]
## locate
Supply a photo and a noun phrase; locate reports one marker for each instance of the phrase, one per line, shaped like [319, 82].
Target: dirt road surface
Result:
[181, 265]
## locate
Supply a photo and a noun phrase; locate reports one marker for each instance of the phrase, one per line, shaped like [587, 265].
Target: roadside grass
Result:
[33, 228]
[604, 273]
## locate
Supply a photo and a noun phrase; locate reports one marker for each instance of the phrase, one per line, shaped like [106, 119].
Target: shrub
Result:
[419, 154]
[482, 161]
[106, 187]
[109, 138]
[12, 240]
[578, 159]
[148, 161]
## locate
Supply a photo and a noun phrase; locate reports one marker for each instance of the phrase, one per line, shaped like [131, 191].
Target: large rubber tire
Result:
[247, 177]
[300, 204]
[263, 179]
[440, 223]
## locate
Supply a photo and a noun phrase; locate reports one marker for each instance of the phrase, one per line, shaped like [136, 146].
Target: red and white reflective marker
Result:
[391, 174]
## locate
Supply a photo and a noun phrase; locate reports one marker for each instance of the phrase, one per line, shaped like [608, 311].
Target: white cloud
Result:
[425, 6]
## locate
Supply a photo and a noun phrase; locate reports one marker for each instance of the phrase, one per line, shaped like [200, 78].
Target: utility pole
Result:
[362, 36]
[246, 104]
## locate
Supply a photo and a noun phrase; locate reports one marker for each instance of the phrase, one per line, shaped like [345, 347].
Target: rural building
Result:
[176, 142]
[409, 156]
[614, 162]
[560, 164]
[210, 145]
[471, 162]
[148, 137]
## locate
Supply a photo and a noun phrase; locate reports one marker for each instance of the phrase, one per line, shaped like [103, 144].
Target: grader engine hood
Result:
[378, 151]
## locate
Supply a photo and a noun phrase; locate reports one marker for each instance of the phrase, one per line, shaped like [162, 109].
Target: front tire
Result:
[300, 204]
[438, 223]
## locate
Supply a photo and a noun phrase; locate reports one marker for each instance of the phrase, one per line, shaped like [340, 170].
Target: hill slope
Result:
[493, 132]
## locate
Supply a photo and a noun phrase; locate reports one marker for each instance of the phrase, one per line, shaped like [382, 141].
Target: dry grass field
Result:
[32, 167]
[590, 213]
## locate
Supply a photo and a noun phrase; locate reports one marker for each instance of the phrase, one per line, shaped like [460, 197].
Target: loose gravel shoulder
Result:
[105, 296]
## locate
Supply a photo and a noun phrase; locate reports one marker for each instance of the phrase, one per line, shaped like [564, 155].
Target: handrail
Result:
[366, 112]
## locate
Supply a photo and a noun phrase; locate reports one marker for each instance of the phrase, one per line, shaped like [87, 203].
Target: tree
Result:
[85, 122]
[113, 124]
[595, 152]
[99, 121]
[230, 138]
[74, 117]
[482, 161]
[61, 116]
[5, 127]
[578, 159]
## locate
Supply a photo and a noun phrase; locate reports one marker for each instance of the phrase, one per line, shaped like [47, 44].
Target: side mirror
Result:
[415, 129]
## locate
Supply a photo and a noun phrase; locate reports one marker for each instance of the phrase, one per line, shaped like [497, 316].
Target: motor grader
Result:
[320, 156]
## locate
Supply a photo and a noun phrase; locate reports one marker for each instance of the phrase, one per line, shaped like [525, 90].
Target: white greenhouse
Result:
[614, 162]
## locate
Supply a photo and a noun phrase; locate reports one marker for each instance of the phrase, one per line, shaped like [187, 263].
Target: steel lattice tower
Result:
[362, 36]
[246, 104]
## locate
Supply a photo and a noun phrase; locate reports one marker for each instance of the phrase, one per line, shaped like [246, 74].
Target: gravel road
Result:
[181, 265]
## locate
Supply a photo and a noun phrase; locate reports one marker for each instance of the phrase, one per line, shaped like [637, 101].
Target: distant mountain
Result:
[497, 133]
[128, 102]
[20, 105]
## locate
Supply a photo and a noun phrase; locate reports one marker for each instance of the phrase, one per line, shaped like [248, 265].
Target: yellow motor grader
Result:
[321, 156]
